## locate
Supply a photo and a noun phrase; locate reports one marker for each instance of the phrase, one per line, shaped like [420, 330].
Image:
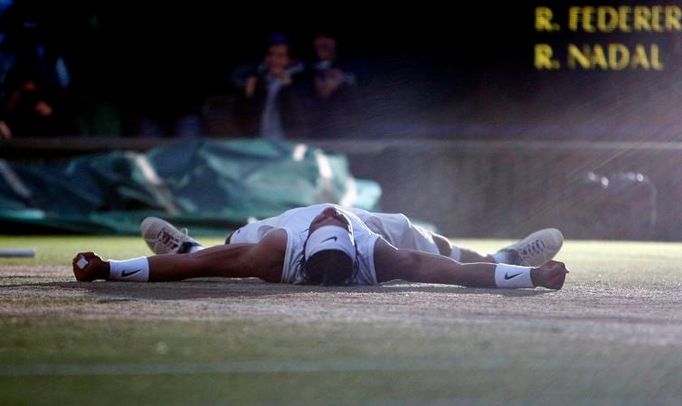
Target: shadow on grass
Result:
[235, 288]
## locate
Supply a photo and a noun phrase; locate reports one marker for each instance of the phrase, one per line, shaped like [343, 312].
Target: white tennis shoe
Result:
[163, 238]
[536, 249]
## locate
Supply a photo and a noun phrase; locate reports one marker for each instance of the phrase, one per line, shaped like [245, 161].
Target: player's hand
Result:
[550, 275]
[87, 267]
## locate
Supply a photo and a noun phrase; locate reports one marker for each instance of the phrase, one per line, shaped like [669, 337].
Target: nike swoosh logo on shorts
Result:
[125, 274]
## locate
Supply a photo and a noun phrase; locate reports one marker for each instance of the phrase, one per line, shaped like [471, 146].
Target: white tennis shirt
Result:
[296, 222]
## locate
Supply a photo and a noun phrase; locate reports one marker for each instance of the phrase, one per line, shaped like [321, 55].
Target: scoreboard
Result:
[602, 21]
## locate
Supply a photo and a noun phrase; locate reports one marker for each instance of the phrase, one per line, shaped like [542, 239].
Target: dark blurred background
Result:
[441, 104]
[461, 71]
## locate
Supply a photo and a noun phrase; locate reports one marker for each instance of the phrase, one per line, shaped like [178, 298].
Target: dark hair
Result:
[325, 34]
[328, 268]
[277, 39]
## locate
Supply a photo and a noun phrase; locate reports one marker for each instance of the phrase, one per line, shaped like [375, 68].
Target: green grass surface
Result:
[58, 250]
[611, 336]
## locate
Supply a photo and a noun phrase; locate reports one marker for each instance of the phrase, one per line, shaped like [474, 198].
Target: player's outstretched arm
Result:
[263, 260]
[392, 263]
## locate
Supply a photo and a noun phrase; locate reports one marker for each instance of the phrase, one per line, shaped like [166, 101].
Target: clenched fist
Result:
[87, 267]
[550, 275]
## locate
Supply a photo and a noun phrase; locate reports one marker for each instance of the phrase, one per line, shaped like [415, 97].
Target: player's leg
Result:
[399, 231]
[163, 238]
[460, 254]
[534, 250]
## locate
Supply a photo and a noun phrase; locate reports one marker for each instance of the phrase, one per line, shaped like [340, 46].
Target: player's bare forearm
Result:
[230, 261]
[392, 263]
[262, 260]
[418, 266]
[448, 271]
[221, 261]
[215, 261]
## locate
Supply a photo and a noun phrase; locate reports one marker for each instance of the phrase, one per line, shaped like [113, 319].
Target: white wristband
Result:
[134, 270]
[512, 276]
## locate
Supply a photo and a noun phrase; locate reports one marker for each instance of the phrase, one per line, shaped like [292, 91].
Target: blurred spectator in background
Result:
[330, 78]
[275, 97]
[332, 83]
[29, 110]
[6, 64]
[34, 79]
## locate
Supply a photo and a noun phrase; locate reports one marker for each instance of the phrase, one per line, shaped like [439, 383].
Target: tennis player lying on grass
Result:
[328, 245]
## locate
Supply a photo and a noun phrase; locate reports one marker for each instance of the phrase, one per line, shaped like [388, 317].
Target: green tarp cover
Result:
[209, 185]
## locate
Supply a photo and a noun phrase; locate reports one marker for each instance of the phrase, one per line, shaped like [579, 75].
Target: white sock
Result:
[134, 270]
[501, 257]
[195, 248]
[512, 276]
[455, 253]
